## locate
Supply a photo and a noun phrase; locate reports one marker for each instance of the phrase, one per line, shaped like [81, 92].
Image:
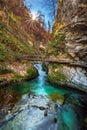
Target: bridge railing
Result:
[28, 57]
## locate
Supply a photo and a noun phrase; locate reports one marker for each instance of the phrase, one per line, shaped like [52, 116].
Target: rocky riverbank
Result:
[17, 72]
[40, 112]
[71, 77]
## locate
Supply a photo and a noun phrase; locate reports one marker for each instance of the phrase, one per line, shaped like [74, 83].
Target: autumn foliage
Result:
[34, 27]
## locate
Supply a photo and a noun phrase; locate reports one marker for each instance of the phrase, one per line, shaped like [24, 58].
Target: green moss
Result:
[57, 78]
[2, 52]
[59, 39]
[85, 121]
[56, 97]
[32, 73]
[56, 46]
[51, 51]
[59, 66]
[5, 71]
[17, 77]
[13, 42]
[14, 18]
[55, 66]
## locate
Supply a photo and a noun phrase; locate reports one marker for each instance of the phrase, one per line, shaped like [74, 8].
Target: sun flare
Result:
[34, 16]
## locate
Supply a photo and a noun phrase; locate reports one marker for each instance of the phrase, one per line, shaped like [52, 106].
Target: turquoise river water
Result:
[38, 105]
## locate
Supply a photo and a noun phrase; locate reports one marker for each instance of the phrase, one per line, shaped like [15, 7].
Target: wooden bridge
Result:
[51, 60]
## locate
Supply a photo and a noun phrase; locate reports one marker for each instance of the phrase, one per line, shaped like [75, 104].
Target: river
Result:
[38, 105]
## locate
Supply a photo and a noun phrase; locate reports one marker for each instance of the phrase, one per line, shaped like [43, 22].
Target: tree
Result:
[41, 18]
[49, 26]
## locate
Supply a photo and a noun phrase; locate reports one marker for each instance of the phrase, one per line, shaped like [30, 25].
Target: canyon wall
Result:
[71, 23]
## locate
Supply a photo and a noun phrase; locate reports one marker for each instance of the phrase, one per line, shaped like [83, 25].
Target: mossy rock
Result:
[55, 66]
[17, 78]
[57, 97]
[1, 80]
[5, 71]
[57, 78]
[32, 73]
[85, 122]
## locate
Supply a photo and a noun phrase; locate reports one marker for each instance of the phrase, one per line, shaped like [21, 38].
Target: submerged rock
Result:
[45, 113]
[55, 120]
[57, 98]
[42, 108]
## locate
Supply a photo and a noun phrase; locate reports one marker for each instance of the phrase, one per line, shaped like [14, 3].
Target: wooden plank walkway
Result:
[52, 60]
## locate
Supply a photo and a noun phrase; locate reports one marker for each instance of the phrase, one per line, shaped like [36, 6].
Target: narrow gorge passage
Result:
[43, 64]
[40, 106]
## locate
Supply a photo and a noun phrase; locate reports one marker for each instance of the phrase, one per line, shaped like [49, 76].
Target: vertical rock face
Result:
[72, 21]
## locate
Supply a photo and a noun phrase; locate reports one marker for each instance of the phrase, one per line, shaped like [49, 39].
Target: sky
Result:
[38, 5]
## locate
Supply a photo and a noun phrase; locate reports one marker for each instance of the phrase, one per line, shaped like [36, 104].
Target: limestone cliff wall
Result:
[71, 21]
